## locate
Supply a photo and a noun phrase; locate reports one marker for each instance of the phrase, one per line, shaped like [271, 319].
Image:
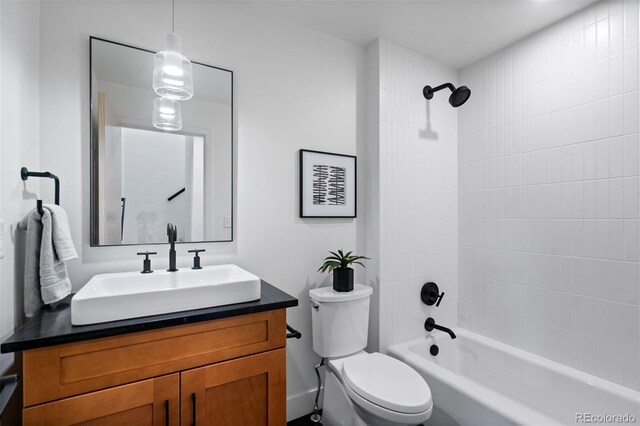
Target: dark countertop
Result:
[52, 326]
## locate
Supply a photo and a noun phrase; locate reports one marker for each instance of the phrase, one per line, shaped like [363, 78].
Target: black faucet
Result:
[172, 233]
[430, 324]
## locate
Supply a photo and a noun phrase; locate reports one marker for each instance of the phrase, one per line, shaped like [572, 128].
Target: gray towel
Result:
[62, 242]
[45, 275]
[33, 226]
[54, 280]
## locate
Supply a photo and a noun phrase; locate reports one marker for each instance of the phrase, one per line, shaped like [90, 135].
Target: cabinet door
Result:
[153, 402]
[244, 391]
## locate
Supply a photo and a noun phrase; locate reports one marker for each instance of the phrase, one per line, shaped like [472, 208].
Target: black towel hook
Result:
[26, 174]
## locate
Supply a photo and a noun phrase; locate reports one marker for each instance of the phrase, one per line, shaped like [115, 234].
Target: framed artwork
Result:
[327, 184]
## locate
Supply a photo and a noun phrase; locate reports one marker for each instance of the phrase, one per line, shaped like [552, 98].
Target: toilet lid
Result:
[387, 382]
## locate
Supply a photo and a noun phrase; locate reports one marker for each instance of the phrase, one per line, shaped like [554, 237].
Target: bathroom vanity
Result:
[224, 365]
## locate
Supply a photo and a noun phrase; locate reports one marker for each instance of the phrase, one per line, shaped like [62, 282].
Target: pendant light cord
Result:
[173, 16]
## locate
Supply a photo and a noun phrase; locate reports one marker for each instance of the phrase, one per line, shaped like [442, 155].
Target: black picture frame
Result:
[349, 208]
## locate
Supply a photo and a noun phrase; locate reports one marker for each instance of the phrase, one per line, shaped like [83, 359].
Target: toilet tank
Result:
[340, 320]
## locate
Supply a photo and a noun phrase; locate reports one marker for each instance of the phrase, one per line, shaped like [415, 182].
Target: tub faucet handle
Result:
[430, 294]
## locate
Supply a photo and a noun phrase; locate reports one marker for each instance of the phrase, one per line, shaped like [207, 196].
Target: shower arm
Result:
[428, 91]
[442, 86]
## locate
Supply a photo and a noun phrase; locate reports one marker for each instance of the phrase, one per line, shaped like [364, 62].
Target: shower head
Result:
[458, 96]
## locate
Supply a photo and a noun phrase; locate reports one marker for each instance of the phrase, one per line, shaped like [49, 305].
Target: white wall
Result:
[549, 244]
[418, 184]
[19, 125]
[294, 88]
[371, 168]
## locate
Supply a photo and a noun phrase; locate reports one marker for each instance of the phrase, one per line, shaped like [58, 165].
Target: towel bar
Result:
[26, 174]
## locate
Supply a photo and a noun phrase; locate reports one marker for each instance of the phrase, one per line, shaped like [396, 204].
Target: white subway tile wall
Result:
[549, 196]
[418, 175]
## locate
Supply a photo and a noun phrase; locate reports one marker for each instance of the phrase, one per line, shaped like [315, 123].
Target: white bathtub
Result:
[478, 381]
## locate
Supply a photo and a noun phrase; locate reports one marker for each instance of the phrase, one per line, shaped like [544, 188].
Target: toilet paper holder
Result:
[293, 333]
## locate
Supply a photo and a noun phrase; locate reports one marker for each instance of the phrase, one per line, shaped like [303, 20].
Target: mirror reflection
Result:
[143, 178]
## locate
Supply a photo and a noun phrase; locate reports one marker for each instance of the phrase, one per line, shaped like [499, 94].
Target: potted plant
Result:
[342, 274]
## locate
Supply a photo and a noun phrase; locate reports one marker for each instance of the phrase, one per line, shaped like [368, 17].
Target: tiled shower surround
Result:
[548, 194]
[418, 185]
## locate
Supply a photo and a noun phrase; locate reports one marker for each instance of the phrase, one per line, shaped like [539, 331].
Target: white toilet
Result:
[362, 389]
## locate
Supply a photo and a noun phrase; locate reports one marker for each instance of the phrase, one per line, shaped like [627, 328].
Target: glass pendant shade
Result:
[167, 114]
[172, 71]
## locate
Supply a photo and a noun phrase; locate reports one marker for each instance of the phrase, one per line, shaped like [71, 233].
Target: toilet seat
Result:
[377, 380]
[386, 414]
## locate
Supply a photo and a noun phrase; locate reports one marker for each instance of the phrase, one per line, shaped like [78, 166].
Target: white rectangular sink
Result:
[112, 297]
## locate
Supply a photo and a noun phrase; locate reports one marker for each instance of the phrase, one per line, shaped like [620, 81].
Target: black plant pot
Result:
[343, 279]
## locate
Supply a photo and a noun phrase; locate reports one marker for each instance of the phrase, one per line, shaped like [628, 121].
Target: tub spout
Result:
[430, 324]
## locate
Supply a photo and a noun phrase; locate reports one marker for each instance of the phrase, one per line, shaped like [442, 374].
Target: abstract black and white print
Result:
[320, 179]
[329, 185]
[337, 185]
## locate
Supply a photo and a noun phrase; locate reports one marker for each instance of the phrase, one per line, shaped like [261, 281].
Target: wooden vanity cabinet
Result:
[244, 391]
[229, 371]
[153, 402]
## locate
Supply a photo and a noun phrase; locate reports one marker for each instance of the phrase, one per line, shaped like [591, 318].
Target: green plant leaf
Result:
[335, 255]
[354, 258]
[340, 260]
[328, 265]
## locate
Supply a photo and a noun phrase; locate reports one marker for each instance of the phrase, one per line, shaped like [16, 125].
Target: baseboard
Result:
[301, 403]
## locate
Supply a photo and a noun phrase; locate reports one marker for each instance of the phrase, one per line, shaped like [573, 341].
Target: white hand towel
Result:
[33, 226]
[62, 241]
[54, 281]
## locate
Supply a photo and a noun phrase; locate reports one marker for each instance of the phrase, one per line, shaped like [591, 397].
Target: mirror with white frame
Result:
[143, 178]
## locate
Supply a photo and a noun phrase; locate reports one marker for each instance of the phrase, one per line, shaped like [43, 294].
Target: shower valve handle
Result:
[430, 294]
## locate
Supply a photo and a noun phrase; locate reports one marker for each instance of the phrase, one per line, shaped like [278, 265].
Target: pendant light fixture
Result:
[167, 114]
[172, 73]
